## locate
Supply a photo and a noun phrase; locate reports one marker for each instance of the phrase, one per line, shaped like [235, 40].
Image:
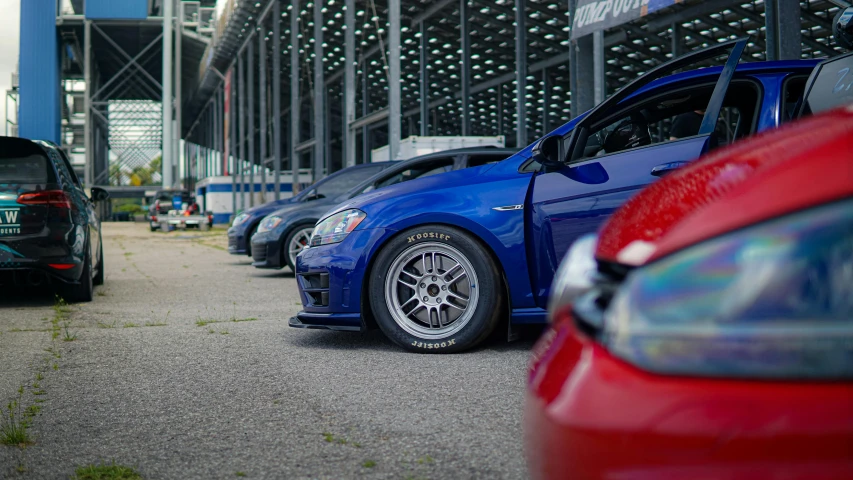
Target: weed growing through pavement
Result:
[368, 464]
[240, 474]
[106, 472]
[14, 424]
[69, 337]
[332, 438]
[224, 332]
[130, 325]
[107, 325]
[154, 324]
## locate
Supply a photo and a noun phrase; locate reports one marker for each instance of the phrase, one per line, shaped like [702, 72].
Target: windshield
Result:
[340, 183]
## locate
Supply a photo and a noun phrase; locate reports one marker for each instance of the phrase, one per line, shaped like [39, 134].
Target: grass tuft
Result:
[106, 472]
[14, 425]
[368, 464]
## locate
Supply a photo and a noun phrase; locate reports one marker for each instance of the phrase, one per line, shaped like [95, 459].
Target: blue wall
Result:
[39, 114]
[116, 9]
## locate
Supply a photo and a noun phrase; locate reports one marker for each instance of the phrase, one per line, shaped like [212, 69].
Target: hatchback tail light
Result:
[51, 198]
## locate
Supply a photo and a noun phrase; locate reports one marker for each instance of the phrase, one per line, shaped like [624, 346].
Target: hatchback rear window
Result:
[25, 169]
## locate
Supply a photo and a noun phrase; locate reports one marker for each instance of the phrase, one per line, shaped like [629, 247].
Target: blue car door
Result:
[610, 155]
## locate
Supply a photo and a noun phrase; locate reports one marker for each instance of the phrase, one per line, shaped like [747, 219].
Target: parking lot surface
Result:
[183, 367]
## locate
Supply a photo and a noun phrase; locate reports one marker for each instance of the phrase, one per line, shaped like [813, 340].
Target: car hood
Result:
[433, 182]
[799, 165]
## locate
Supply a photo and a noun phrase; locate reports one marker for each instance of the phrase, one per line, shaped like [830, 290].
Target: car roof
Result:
[743, 69]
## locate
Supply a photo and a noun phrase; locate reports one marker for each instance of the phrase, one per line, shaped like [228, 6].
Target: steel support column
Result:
[600, 90]
[394, 93]
[520, 74]
[319, 95]
[232, 142]
[677, 40]
[583, 79]
[87, 127]
[241, 97]
[465, 42]
[349, 83]
[546, 101]
[295, 101]
[782, 27]
[250, 127]
[365, 133]
[276, 96]
[264, 111]
[424, 79]
[178, 132]
[168, 180]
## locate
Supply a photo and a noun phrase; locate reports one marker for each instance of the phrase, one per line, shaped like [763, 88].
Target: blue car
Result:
[439, 263]
[246, 223]
[283, 233]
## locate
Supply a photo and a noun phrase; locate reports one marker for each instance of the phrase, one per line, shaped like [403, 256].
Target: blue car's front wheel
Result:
[435, 289]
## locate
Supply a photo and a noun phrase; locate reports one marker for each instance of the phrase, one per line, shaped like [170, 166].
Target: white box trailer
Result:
[415, 146]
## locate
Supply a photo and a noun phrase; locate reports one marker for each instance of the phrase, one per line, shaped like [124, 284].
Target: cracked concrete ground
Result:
[144, 385]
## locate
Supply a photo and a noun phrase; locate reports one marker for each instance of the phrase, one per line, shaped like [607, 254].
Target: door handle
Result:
[664, 168]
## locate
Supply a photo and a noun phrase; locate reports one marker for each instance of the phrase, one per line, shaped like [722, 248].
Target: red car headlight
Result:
[774, 300]
[575, 276]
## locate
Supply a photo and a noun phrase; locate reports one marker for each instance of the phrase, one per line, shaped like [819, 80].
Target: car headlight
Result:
[576, 274]
[335, 228]
[240, 219]
[773, 300]
[269, 223]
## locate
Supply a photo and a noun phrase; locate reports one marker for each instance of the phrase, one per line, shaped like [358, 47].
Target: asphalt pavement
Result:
[184, 367]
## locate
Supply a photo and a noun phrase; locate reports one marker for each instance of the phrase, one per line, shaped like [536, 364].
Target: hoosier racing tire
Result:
[435, 289]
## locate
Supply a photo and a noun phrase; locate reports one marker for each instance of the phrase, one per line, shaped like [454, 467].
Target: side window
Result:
[792, 96]
[676, 115]
[65, 174]
[483, 159]
[434, 167]
[72, 173]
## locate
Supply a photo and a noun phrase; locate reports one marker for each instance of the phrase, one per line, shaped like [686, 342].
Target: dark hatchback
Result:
[246, 223]
[49, 231]
[282, 234]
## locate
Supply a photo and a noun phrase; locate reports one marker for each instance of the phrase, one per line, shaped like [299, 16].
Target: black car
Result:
[49, 231]
[282, 234]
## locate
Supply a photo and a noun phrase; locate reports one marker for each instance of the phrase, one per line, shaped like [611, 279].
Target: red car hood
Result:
[799, 165]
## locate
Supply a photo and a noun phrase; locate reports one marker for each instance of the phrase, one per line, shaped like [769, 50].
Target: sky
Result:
[9, 29]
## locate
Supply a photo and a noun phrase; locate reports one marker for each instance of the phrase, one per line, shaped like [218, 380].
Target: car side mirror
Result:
[547, 152]
[99, 194]
[314, 196]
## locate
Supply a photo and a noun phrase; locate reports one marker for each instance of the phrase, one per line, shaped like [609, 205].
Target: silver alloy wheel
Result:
[298, 242]
[431, 291]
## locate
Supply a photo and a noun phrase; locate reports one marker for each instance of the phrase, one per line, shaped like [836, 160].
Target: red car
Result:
[707, 332]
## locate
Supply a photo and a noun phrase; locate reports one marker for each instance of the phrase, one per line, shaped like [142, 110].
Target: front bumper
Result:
[237, 241]
[331, 280]
[590, 415]
[266, 250]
